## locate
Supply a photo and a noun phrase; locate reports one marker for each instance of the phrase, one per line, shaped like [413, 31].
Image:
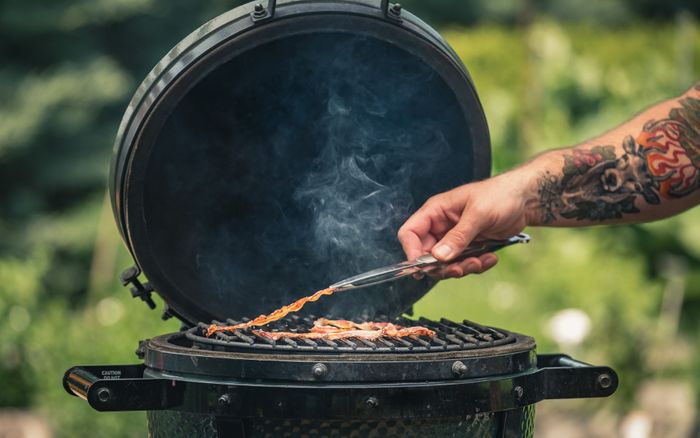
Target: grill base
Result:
[515, 423]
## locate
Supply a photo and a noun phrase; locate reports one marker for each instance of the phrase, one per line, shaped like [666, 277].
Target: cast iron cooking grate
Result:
[449, 336]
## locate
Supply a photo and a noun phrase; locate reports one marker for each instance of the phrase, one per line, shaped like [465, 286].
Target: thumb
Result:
[456, 240]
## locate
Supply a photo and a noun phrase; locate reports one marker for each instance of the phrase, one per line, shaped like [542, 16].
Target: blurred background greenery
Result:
[549, 73]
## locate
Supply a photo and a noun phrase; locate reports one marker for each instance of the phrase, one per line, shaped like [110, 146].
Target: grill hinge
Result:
[129, 278]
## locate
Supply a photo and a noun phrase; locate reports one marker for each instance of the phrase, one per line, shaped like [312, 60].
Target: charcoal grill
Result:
[467, 380]
[275, 150]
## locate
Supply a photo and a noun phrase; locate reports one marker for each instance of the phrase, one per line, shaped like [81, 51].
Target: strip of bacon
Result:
[324, 328]
[341, 329]
[345, 324]
[339, 334]
[274, 316]
[387, 328]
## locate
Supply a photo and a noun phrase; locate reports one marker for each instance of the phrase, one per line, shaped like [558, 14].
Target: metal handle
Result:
[557, 376]
[122, 388]
[475, 249]
[78, 381]
[560, 360]
[565, 377]
[424, 263]
[391, 11]
[483, 246]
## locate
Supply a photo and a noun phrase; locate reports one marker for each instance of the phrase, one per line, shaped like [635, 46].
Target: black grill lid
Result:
[261, 161]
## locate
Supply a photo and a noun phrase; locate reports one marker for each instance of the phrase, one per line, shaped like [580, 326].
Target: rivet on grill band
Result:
[518, 392]
[319, 370]
[459, 369]
[224, 400]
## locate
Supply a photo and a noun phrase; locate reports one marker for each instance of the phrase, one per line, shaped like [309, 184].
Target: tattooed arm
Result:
[646, 169]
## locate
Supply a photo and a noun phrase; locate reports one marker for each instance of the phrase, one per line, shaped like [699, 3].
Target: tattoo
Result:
[663, 162]
[672, 149]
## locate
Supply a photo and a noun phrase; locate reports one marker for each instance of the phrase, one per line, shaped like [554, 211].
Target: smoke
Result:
[292, 167]
[361, 190]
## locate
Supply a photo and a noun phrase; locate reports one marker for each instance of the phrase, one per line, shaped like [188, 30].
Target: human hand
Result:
[495, 208]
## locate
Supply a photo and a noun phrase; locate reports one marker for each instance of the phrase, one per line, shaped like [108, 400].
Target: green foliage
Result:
[605, 12]
[69, 67]
[106, 330]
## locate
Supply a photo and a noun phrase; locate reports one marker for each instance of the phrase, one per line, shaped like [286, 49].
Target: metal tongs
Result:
[424, 264]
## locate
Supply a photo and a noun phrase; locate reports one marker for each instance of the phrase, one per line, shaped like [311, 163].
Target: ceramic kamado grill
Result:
[274, 151]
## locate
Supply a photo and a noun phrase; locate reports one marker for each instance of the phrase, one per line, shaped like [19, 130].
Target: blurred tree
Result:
[608, 12]
[662, 10]
[67, 71]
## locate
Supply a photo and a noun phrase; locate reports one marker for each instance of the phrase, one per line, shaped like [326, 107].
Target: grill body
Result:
[250, 387]
[196, 386]
[518, 423]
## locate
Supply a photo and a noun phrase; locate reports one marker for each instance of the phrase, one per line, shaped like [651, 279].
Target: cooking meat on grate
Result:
[324, 328]
[274, 316]
[342, 329]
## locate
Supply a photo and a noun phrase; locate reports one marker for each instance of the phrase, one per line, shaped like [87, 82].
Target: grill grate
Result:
[449, 336]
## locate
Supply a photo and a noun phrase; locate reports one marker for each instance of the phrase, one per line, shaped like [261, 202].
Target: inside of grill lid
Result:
[292, 166]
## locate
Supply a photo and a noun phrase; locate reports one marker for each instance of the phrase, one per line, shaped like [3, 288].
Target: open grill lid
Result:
[275, 151]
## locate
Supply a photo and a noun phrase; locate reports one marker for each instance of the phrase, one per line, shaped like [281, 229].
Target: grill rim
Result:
[444, 328]
[175, 355]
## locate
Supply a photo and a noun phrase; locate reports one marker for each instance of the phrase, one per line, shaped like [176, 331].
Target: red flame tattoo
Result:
[668, 161]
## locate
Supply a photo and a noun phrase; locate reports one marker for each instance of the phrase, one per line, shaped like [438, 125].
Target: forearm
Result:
[646, 169]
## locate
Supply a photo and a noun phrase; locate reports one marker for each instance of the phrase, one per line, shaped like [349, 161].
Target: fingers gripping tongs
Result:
[424, 264]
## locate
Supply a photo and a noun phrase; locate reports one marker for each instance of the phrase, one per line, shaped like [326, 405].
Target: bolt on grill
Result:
[449, 336]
